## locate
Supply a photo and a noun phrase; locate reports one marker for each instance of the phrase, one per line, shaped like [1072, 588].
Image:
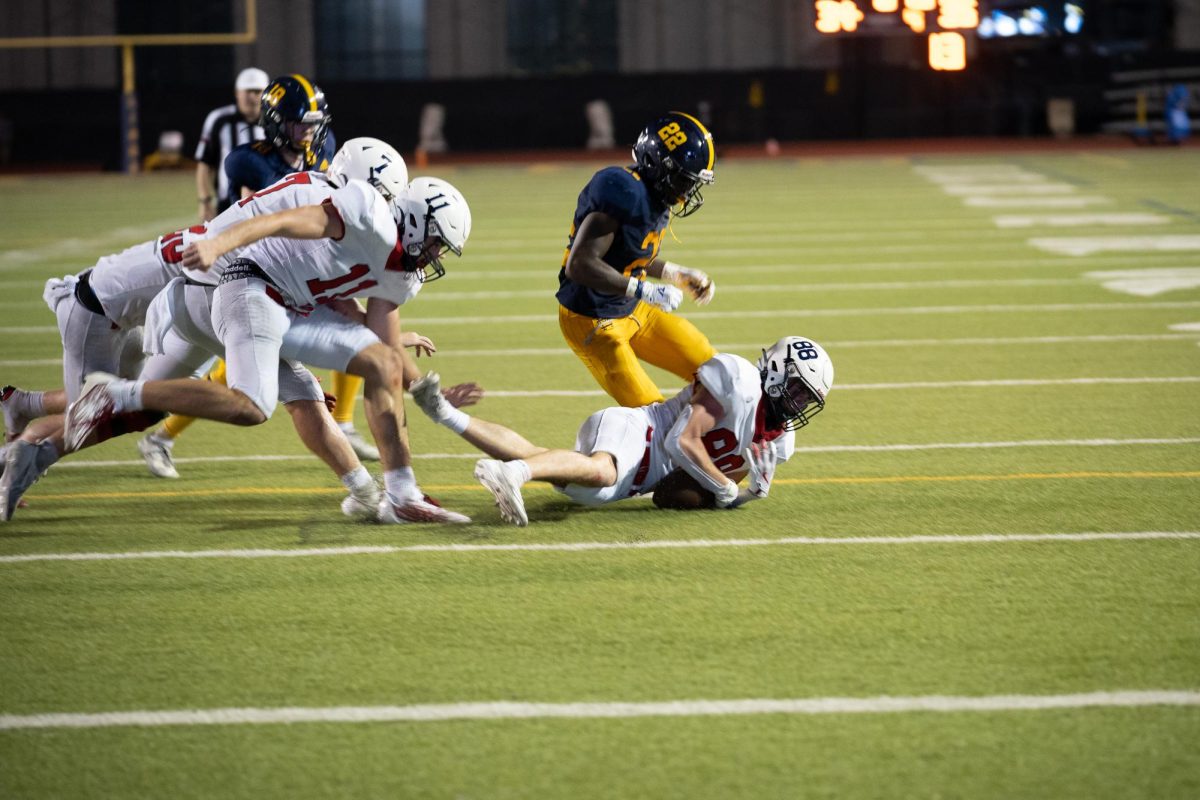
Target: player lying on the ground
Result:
[734, 419]
[277, 276]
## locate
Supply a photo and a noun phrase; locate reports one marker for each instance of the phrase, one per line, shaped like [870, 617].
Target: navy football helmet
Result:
[292, 101]
[675, 156]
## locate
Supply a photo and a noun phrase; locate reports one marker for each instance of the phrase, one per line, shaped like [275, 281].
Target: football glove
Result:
[762, 458]
[697, 282]
[659, 295]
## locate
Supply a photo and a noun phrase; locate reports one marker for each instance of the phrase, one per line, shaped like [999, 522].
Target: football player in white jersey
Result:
[277, 278]
[100, 312]
[735, 419]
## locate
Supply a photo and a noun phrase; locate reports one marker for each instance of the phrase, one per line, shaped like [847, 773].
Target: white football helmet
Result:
[370, 160]
[433, 217]
[797, 375]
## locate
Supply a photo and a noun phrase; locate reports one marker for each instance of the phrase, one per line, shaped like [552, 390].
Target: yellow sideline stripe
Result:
[454, 487]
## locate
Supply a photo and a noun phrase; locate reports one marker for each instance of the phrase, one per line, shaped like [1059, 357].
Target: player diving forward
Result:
[734, 419]
[100, 309]
[278, 276]
[295, 118]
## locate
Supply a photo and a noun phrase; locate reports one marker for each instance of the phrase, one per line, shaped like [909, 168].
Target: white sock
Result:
[126, 395]
[401, 484]
[357, 478]
[523, 471]
[453, 418]
[35, 405]
[347, 427]
[160, 437]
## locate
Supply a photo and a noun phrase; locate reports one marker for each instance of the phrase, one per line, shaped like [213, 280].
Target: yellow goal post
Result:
[130, 133]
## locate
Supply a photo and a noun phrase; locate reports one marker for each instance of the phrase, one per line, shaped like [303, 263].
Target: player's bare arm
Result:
[685, 444]
[307, 222]
[586, 265]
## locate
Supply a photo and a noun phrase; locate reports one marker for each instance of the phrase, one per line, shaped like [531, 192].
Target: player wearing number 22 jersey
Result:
[609, 314]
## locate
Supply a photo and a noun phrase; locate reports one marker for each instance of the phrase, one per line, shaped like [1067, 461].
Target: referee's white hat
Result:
[252, 78]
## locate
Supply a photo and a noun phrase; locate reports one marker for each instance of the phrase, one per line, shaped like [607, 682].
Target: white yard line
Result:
[1066, 201]
[90, 249]
[1088, 245]
[575, 547]
[504, 710]
[1078, 220]
[829, 448]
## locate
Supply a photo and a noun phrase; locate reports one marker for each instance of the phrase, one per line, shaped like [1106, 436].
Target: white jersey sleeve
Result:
[735, 384]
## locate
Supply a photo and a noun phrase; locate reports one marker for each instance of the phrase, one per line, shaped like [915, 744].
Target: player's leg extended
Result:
[176, 424]
[670, 342]
[321, 435]
[489, 437]
[604, 348]
[156, 446]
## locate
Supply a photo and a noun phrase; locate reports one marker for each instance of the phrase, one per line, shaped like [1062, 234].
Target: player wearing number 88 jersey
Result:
[735, 419]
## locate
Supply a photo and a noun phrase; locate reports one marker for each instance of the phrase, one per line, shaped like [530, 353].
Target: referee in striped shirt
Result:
[224, 129]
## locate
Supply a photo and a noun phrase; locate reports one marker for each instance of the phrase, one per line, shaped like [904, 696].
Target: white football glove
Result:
[726, 495]
[697, 282]
[660, 295]
[762, 458]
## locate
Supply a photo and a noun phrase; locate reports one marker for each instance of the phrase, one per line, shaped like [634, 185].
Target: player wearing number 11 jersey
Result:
[279, 278]
[735, 419]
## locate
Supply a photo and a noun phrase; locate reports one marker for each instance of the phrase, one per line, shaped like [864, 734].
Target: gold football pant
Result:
[613, 349]
[345, 389]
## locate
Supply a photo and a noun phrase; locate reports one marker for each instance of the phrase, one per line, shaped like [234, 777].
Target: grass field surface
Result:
[977, 577]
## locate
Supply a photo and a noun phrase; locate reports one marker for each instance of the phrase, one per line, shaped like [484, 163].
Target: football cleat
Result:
[24, 463]
[427, 394]
[417, 510]
[157, 455]
[500, 478]
[93, 408]
[14, 417]
[363, 503]
[361, 447]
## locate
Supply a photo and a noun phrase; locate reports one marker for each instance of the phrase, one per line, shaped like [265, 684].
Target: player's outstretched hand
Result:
[422, 344]
[201, 254]
[662, 296]
[763, 459]
[463, 394]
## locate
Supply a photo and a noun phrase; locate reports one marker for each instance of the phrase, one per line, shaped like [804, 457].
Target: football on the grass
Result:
[682, 492]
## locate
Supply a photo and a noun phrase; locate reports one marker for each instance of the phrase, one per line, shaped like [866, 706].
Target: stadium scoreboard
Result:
[941, 22]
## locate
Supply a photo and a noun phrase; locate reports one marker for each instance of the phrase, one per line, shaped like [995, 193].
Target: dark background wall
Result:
[509, 82]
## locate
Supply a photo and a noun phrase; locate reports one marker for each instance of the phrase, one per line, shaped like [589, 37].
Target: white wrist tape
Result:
[634, 289]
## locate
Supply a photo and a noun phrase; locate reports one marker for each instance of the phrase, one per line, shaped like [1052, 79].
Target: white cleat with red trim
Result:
[94, 408]
[503, 480]
[421, 509]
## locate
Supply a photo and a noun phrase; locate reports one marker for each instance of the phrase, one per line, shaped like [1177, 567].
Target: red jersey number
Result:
[172, 244]
[291, 180]
[721, 444]
[323, 290]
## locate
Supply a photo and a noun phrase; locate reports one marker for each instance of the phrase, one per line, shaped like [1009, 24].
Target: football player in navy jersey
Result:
[295, 118]
[610, 315]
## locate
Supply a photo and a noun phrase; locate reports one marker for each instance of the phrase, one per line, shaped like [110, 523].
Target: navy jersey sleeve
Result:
[245, 166]
[613, 191]
[327, 153]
